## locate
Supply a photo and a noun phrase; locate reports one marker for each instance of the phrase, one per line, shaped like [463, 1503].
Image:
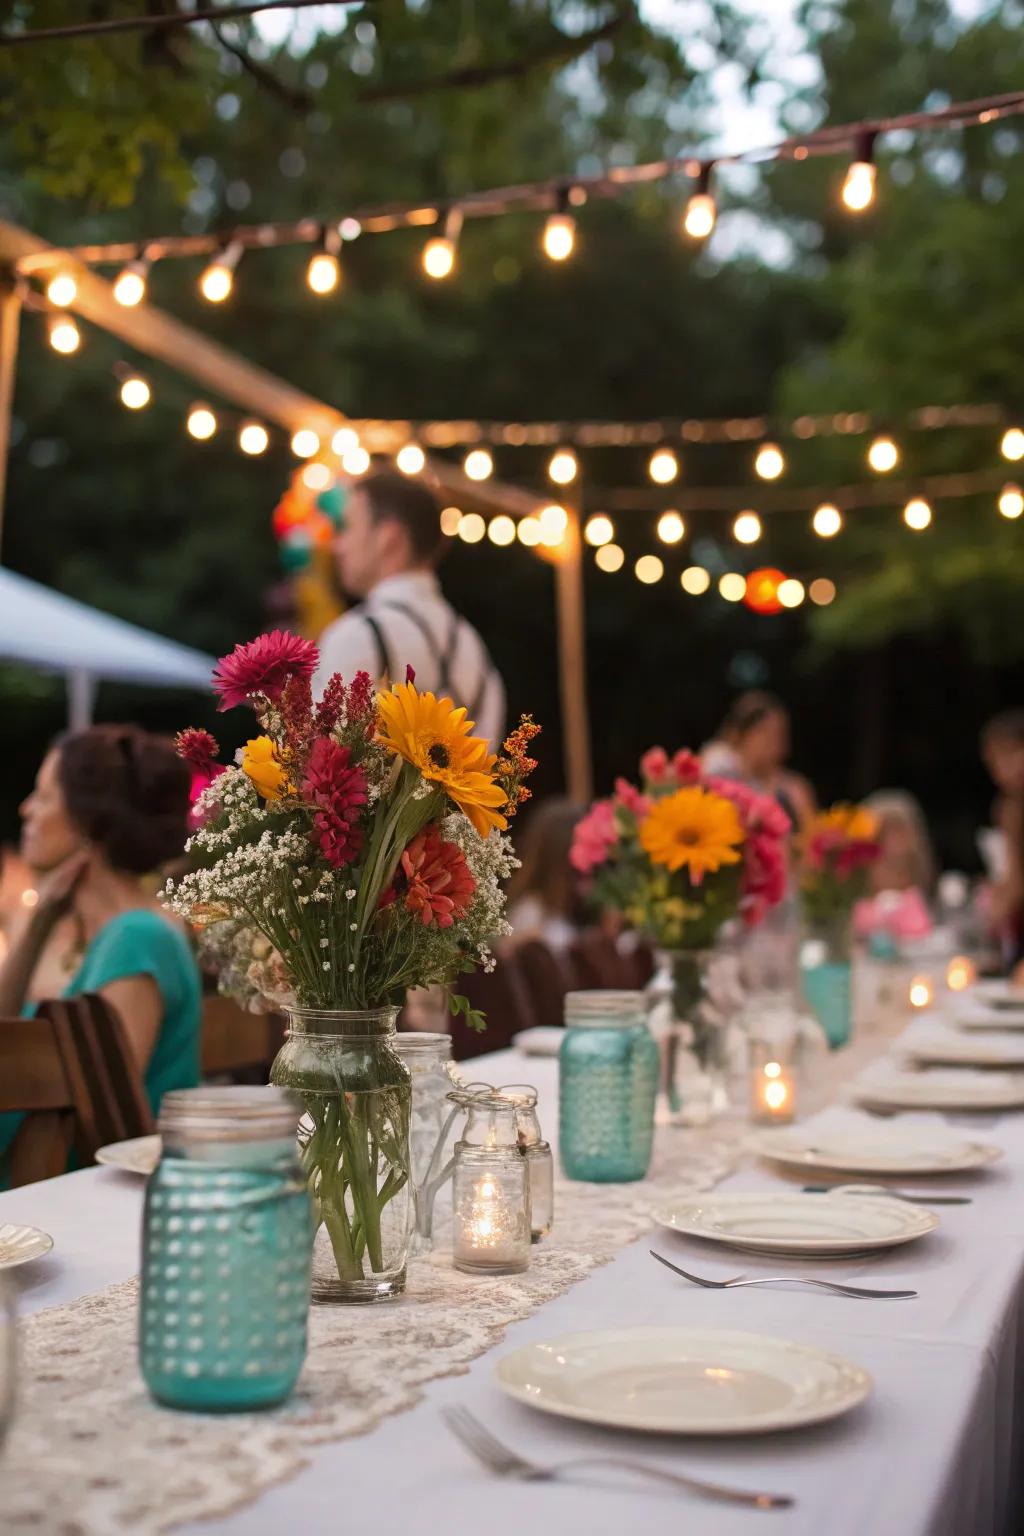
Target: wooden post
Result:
[10, 314]
[572, 663]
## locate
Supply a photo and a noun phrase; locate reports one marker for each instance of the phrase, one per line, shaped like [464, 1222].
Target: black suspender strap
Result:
[381, 646]
[443, 658]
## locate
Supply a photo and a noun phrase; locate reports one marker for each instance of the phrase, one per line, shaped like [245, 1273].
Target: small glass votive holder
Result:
[540, 1164]
[773, 1082]
[491, 1233]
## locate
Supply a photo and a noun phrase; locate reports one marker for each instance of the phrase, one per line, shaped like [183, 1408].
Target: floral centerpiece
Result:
[676, 858]
[836, 851]
[355, 850]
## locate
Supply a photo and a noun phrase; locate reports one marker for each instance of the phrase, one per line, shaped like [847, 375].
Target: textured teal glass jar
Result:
[226, 1250]
[608, 1083]
[826, 977]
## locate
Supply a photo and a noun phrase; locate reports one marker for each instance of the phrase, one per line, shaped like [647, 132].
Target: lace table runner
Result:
[91, 1455]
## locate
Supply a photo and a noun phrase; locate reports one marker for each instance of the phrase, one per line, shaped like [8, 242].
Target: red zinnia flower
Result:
[440, 884]
[264, 665]
[338, 790]
[198, 748]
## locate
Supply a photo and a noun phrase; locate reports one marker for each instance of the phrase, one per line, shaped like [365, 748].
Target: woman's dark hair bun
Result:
[128, 792]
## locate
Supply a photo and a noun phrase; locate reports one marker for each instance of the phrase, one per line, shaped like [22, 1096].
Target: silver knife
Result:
[877, 1189]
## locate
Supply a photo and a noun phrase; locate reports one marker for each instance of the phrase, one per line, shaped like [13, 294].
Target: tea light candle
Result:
[773, 1093]
[491, 1233]
[922, 992]
[960, 973]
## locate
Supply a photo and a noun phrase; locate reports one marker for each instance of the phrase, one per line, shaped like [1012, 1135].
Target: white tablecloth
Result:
[934, 1452]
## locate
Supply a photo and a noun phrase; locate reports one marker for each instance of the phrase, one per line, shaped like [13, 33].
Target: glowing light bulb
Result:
[410, 459]
[663, 466]
[699, 218]
[610, 558]
[344, 440]
[64, 335]
[316, 477]
[216, 283]
[769, 462]
[135, 393]
[478, 464]
[559, 238]
[528, 531]
[791, 592]
[451, 517]
[253, 438]
[695, 580]
[649, 569]
[62, 289]
[917, 514]
[502, 530]
[472, 528]
[827, 521]
[201, 423]
[599, 529]
[821, 591]
[732, 586]
[324, 272]
[355, 461]
[563, 467]
[130, 287]
[883, 455]
[671, 528]
[859, 185]
[1011, 501]
[305, 442]
[439, 257]
[1012, 445]
[554, 520]
[747, 528]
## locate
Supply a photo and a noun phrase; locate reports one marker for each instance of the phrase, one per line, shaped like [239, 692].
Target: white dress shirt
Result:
[417, 627]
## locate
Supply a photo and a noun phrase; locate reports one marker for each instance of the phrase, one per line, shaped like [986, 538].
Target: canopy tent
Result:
[44, 629]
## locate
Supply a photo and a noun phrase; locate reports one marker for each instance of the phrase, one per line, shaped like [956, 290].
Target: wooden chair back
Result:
[503, 997]
[547, 977]
[236, 1043]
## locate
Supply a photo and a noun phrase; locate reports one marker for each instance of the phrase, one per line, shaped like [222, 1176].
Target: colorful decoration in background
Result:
[305, 521]
[762, 594]
[836, 851]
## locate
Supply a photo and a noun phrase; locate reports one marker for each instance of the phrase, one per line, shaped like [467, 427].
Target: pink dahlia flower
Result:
[199, 749]
[263, 665]
[595, 836]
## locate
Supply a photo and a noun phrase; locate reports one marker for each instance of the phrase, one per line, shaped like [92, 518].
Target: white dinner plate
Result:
[140, 1155]
[683, 1381]
[999, 993]
[544, 1040]
[772, 1221]
[941, 1088]
[20, 1245]
[878, 1150]
[972, 1013]
[954, 1048]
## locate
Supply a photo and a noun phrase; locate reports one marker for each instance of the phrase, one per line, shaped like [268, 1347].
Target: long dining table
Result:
[933, 1451]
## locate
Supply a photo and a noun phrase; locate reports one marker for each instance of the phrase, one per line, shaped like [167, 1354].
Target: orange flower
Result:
[693, 829]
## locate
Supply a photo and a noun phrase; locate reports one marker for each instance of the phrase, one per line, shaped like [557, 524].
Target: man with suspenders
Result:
[387, 553]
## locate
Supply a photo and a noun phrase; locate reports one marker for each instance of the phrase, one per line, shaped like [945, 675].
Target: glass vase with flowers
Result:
[836, 852]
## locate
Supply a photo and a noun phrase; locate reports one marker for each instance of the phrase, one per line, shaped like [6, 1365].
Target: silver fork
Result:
[822, 1285]
[502, 1461]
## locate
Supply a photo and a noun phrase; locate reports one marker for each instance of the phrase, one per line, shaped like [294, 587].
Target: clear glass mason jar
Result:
[694, 997]
[353, 1137]
[608, 1084]
[227, 1237]
[490, 1188]
[429, 1060]
[540, 1166]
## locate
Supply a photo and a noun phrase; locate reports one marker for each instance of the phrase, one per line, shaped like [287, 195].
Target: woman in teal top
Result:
[109, 805]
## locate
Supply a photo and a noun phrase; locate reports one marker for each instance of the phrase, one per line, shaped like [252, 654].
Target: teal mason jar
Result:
[226, 1249]
[608, 1082]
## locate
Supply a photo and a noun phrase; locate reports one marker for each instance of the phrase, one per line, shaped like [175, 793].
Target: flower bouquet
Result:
[676, 859]
[355, 850]
[836, 851]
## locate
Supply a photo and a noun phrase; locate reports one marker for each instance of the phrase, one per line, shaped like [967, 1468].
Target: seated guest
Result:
[543, 898]
[906, 861]
[1002, 748]
[111, 804]
[755, 733]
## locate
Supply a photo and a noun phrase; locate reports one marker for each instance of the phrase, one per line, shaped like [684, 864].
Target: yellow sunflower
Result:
[437, 739]
[261, 762]
[692, 829]
[854, 821]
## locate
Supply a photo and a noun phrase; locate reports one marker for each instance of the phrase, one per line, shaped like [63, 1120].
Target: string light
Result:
[355, 461]
[253, 438]
[1012, 445]
[559, 237]
[201, 423]
[316, 477]
[305, 442]
[671, 528]
[663, 466]
[135, 392]
[649, 569]
[130, 286]
[859, 184]
[747, 528]
[701, 212]
[610, 558]
[563, 467]
[733, 587]
[528, 532]
[554, 520]
[451, 517]
[218, 278]
[883, 455]
[821, 591]
[917, 514]
[344, 440]
[827, 521]
[478, 465]
[695, 580]
[439, 252]
[769, 462]
[599, 529]
[472, 528]
[1011, 501]
[62, 289]
[63, 334]
[791, 592]
[502, 530]
[411, 459]
[324, 271]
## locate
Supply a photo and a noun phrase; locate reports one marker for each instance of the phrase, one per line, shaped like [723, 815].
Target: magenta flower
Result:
[595, 836]
[263, 665]
[199, 749]
[655, 767]
[337, 789]
[630, 798]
